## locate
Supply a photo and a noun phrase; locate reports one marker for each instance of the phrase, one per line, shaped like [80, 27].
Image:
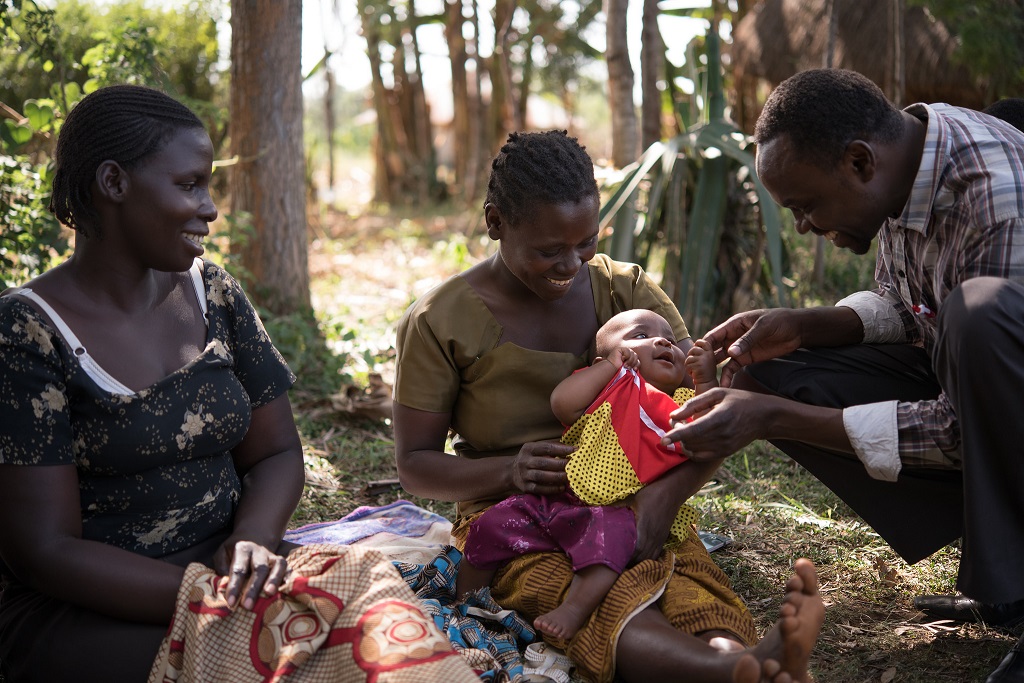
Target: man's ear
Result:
[495, 223]
[859, 158]
[112, 181]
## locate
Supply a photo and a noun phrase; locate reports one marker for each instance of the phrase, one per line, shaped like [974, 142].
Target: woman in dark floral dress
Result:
[143, 409]
[145, 427]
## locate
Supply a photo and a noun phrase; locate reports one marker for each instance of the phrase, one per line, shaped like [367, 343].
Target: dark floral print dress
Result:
[155, 468]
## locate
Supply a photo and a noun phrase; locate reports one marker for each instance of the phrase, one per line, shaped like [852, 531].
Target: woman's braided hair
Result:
[122, 123]
[539, 168]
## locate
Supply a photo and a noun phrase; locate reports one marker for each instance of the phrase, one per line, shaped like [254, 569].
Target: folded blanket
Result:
[343, 614]
[401, 530]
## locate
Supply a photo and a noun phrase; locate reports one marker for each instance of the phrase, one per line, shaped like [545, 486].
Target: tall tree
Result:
[506, 115]
[620, 85]
[899, 61]
[460, 86]
[624, 123]
[406, 170]
[267, 181]
[334, 8]
[652, 63]
[421, 123]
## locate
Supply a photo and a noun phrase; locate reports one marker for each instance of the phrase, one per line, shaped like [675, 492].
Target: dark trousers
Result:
[46, 640]
[978, 361]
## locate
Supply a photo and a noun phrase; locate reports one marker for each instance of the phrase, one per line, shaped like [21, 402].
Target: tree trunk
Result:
[390, 167]
[330, 122]
[504, 110]
[652, 58]
[411, 185]
[460, 134]
[620, 85]
[329, 119]
[423, 130]
[818, 274]
[266, 138]
[899, 62]
[481, 135]
[624, 124]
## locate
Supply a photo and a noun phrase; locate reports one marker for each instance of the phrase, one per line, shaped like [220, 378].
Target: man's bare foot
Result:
[783, 655]
[562, 622]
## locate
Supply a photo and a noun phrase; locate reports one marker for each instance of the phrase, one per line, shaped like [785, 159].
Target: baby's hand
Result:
[624, 356]
[700, 363]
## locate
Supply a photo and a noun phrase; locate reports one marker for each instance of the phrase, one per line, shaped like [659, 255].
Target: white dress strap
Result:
[102, 378]
[196, 271]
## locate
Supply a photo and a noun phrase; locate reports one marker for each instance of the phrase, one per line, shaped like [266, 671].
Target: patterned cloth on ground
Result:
[343, 614]
[488, 637]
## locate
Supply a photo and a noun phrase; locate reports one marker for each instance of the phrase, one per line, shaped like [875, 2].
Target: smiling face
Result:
[649, 336]
[166, 207]
[547, 251]
[844, 205]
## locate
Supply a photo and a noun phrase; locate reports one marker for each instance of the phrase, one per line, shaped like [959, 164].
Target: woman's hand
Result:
[539, 468]
[250, 567]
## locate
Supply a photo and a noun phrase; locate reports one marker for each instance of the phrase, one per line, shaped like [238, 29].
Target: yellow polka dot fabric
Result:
[599, 471]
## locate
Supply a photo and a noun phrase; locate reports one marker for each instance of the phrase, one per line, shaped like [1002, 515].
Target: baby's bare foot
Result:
[562, 622]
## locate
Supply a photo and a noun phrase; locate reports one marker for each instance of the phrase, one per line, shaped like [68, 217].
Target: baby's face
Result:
[651, 338]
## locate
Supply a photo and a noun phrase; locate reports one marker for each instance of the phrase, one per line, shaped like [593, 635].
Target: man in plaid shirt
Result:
[904, 400]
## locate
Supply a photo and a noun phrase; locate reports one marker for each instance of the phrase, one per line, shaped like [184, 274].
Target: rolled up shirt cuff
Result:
[873, 432]
[881, 321]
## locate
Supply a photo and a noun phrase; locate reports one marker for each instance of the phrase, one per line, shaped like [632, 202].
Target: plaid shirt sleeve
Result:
[929, 434]
[964, 219]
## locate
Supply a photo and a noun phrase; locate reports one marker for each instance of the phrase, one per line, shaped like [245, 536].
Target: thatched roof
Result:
[781, 37]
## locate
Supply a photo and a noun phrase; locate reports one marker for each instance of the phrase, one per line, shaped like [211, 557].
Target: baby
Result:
[621, 402]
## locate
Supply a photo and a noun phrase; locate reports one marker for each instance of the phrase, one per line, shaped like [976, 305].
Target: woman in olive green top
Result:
[480, 354]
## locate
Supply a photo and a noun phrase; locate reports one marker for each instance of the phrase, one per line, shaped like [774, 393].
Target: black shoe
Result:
[963, 608]
[1011, 669]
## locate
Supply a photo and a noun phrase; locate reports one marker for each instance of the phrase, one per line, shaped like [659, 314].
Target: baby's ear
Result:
[597, 360]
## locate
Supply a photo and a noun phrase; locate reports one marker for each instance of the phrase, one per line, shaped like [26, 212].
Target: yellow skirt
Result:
[684, 582]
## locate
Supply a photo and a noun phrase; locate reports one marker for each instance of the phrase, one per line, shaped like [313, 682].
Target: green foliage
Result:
[703, 209]
[845, 272]
[32, 239]
[127, 60]
[49, 58]
[302, 340]
[989, 36]
[130, 41]
[308, 342]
